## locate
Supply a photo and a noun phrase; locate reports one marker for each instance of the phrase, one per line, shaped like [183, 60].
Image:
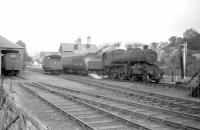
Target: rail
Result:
[121, 105]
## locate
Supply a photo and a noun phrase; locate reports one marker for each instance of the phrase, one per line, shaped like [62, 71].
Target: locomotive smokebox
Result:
[145, 47]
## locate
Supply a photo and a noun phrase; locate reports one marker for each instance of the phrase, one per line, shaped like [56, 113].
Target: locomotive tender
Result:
[52, 64]
[132, 64]
[11, 63]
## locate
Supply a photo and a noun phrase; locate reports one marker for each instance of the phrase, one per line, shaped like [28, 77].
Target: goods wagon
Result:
[81, 64]
[95, 66]
[52, 64]
[132, 64]
[74, 64]
[11, 63]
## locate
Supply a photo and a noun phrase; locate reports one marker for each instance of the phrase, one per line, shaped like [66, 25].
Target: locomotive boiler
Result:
[132, 64]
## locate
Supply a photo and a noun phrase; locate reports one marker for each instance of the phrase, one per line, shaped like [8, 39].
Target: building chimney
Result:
[88, 40]
[78, 40]
[145, 47]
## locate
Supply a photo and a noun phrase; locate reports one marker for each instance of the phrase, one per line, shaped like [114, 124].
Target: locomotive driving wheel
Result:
[89, 72]
[132, 78]
[113, 75]
[144, 77]
[122, 77]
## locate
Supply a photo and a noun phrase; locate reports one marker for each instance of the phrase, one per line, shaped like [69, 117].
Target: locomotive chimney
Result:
[145, 47]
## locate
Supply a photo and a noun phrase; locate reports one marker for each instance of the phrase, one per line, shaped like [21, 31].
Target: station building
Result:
[77, 48]
[70, 49]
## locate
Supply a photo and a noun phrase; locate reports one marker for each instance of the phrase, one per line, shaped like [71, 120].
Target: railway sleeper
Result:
[159, 109]
[107, 113]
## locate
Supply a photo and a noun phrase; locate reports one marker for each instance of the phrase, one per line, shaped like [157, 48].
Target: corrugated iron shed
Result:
[6, 44]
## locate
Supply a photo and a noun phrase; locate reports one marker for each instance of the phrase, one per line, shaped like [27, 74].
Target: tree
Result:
[175, 41]
[172, 41]
[170, 52]
[163, 45]
[190, 33]
[26, 56]
[179, 41]
[154, 45]
[192, 37]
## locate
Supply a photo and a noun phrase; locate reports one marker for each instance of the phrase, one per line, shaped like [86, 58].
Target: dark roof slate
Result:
[71, 47]
[66, 47]
[6, 44]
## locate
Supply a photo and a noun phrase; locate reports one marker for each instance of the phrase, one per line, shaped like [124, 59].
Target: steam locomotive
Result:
[131, 64]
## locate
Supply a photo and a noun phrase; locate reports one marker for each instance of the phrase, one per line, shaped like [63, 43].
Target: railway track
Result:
[86, 115]
[172, 103]
[186, 107]
[176, 112]
[146, 116]
[150, 84]
[53, 118]
[190, 107]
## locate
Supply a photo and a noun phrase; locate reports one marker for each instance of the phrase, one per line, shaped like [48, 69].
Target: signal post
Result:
[0, 61]
[183, 58]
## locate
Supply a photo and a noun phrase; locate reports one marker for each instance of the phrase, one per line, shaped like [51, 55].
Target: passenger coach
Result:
[52, 64]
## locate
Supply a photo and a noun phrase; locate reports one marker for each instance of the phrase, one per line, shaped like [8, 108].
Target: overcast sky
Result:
[44, 24]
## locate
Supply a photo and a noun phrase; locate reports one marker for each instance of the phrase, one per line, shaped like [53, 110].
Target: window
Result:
[75, 46]
[87, 46]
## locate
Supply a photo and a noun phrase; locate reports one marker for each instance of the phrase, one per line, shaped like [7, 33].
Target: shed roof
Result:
[66, 47]
[6, 44]
[47, 53]
[87, 46]
[80, 47]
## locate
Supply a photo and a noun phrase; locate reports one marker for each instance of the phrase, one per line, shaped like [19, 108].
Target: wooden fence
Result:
[14, 116]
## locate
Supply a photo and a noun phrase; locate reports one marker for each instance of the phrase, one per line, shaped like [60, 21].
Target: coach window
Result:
[105, 56]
